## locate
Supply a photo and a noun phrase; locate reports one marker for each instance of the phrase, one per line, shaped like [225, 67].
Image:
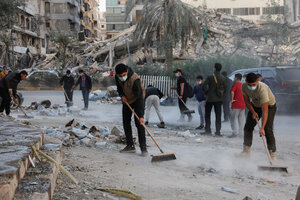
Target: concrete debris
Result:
[226, 189]
[247, 198]
[185, 134]
[115, 131]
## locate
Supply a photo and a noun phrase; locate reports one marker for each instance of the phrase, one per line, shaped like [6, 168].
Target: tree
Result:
[165, 23]
[62, 41]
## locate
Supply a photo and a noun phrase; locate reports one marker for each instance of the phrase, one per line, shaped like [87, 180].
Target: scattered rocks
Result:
[115, 131]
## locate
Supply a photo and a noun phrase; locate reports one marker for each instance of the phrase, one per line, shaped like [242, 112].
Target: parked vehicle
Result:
[284, 81]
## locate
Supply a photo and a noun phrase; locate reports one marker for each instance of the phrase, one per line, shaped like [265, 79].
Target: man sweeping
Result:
[8, 89]
[261, 103]
[153, 96]
[67, 83]
[131, 91]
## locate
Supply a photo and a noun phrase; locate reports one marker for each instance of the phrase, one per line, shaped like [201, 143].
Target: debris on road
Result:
[226, 189]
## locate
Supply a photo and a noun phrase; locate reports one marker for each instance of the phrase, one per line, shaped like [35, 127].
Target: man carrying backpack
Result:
[214, 88]
[183, 93]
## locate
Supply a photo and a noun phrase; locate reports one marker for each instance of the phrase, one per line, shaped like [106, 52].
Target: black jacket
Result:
[11, 81]
[227, 94]
[67, 82]
[88, 82]
[150, 90]
[210, 87]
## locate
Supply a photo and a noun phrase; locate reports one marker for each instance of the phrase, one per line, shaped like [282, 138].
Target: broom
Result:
[187, 111]
[271, 166]
[155, 157]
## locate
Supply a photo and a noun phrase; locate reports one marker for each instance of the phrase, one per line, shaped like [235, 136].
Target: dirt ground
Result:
[204, 164]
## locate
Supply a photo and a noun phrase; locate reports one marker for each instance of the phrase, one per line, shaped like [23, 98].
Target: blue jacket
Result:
[198, 92]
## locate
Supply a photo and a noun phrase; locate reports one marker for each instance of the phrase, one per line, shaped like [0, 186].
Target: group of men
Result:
[218, 90]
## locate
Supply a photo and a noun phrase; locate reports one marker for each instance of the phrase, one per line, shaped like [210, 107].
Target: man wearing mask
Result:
[181, 86]
[8, 89]
[4, 72]
[214, 88]
[199, 94]
[261, 103]
[67, 83]
[85, 86]
[131, 91]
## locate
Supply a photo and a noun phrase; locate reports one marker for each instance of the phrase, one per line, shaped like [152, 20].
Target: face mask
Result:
[123, 79]
[177, 75]
[252, 88]
[199, 82]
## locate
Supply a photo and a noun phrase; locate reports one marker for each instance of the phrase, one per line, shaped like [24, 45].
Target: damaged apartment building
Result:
[37, 19]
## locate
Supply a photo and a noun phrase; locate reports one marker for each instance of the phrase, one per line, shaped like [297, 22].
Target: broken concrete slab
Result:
[16, 141]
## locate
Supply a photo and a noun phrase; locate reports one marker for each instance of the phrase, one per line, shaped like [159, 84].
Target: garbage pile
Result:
[76, 133]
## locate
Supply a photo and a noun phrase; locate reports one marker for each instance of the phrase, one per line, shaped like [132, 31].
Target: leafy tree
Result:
[63, 41]
[165, 23]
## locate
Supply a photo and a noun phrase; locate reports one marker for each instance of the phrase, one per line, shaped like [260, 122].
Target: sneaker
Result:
[146, 123]
[84, 108]
[218, 135]
[161, 125]
[246, 151]
[200, 127]
[144, 151]
[128, 149]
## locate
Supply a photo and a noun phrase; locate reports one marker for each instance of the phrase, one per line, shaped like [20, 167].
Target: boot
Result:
[246, 151]
[161, 125]
[273, 155]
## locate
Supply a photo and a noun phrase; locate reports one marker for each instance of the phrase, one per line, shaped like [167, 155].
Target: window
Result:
[102, 26]
[267, 73]
[43, 43]
[47, 7]
[48, 24]
[273, 10]
[224, 10]
[113, 27]
[246, 11]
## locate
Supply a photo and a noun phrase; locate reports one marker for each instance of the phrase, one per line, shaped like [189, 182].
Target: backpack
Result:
[188, 90]
[219, 88]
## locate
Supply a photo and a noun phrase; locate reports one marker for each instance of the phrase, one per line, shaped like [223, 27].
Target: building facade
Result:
[255, 10]
[293, 10]
[116, 20]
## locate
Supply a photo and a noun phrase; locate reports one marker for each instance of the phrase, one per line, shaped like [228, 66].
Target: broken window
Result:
[273, 10]
[224, 10]
[47, 7]
[246, 11]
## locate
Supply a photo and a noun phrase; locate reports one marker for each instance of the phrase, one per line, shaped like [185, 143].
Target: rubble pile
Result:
[110, 96]
[76, 133]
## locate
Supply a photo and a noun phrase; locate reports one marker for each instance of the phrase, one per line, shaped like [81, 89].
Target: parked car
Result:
[284, 81]
[42, 79]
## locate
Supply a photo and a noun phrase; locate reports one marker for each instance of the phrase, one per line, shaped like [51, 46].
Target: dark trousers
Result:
[5, 101]
[127, 114]
[85, 95]
[182, 107]
[251, 123]
[218, 112]
[226, 110]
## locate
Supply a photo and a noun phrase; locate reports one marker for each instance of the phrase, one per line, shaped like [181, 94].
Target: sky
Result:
[102, 5]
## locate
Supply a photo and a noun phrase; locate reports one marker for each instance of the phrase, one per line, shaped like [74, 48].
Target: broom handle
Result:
[66, 95]
[144, 127]
[265, 144]
[181, 100]
[23, 111]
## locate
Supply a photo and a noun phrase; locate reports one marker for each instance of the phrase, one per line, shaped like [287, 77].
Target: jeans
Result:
[251, 123]
[85, 95]
[218, 112]
[201, 111]
[182, 107]
[237, 117]
[127, 115]
[153, 100]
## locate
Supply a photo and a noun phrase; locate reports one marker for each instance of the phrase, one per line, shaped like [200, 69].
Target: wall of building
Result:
[247, 9]
[293, 10]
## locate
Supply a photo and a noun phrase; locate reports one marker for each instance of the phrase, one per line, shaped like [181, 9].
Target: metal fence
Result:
[163, 83]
